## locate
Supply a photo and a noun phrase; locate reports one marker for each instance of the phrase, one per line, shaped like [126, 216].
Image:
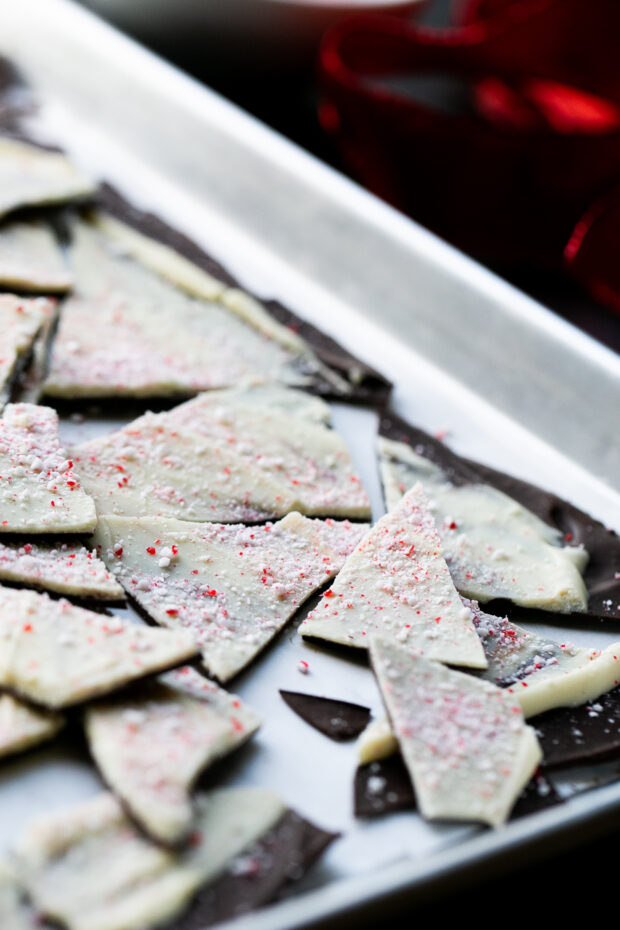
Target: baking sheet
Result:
[510, 384]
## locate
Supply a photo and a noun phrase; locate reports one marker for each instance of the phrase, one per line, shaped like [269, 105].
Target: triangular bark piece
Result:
[226, 456]
[55, 654]
[89, 867]
[21, 321]
[65, 568]
[494, 546]
[31, 259]
[36, 177]
[464, 741]
[151, 744]
[234, 587]
[546, 678]
[22, 727]
[143, 323]
[397, 583]
[40, 491]
[340, 720]
[602, 572]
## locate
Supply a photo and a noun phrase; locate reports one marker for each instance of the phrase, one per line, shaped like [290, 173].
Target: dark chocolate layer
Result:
[371, 388]
[602, 574]
[385, 787]
[589, 733]
[258, 875]
[340, 720]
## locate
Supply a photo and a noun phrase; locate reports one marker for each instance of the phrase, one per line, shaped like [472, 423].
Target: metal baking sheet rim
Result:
[316, 908]
[585, 812]
[342, 238]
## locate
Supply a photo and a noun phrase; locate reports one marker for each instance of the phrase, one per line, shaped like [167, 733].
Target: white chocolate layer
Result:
[22, 727]
[15, 913]
[66, 568]
[56, 654]
[128, 331]
[31, 259]
[20, 322]
[90, 869]
[40, 491]
[234, 587]
[228, 457]
[463, 740]
[397, 583]
[31, 176]
[494, 546]
[151, 744]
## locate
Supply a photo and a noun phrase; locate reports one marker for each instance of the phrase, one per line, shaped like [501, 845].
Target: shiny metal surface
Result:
[510, 383]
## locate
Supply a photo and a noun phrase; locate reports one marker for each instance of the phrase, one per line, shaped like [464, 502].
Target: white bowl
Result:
[277, 34]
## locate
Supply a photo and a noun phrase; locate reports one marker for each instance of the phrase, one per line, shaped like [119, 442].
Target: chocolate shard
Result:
[340, 720]
[601, 574]
[385, 787]
[366, 384]
[260, 874]
[589, 733]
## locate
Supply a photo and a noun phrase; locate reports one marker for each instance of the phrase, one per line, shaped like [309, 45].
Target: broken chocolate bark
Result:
[365, 384]
[340, 720]
[602, 572]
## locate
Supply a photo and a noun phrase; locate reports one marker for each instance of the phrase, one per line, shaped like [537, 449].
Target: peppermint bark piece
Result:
[152, 743]
[34, 177]
[173, 255]
[21, 321]
[31, 259]
[397, 583]
[55, 654]
[66, 568]
[90, 869]
[234, 587]
[225, 456]
[464, 741]
[494, 546]
[40, 491]
[540, 673]
[22, 727]
[15, 913]
[129, 331]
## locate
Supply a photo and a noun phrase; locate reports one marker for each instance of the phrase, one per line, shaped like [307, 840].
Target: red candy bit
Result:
[329, 593]
[172, 611]
[27, 628]
[237, 725]
[151, 550]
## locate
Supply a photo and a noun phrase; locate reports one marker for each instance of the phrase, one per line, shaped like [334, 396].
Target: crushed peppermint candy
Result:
[232, 586]
[40, 490]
